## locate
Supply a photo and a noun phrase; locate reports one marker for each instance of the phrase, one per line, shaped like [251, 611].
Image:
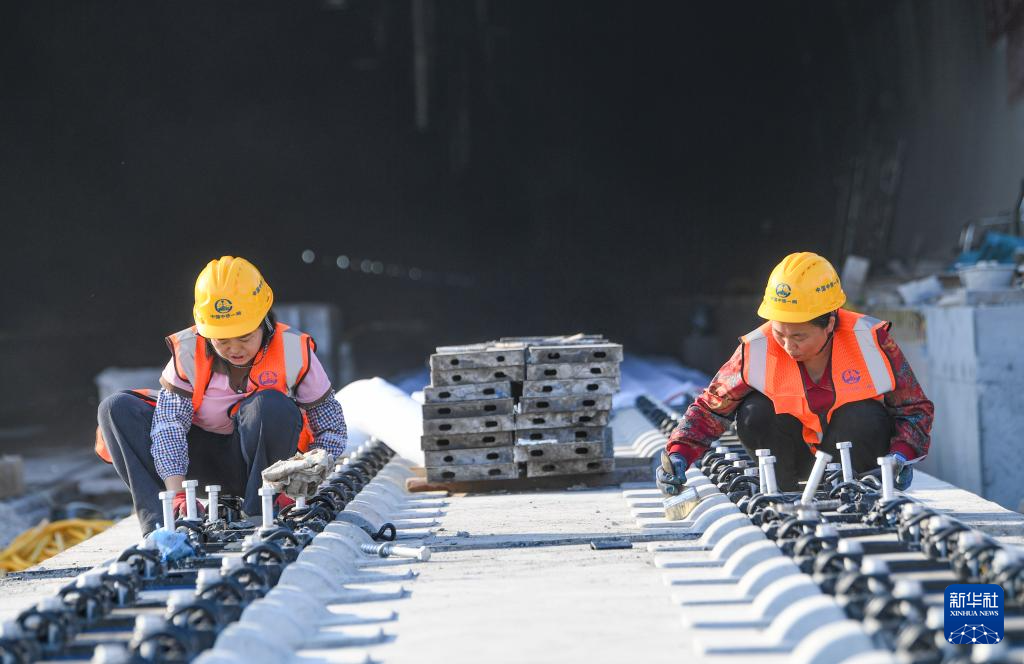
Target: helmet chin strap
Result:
[829, 339]
[825, 345]
[269, 331]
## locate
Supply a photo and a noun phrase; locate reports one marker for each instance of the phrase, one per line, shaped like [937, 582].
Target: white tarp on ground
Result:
[660, 377]
[375, 407]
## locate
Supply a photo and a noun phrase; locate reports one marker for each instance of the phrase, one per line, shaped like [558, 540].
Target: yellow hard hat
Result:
[802, 287]
[231, 298]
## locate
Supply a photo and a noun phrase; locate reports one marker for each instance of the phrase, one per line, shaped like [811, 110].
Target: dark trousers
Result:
[864, 423]
[267, 427]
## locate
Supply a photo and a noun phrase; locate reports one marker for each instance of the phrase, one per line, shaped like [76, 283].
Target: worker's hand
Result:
[903, 471]
[670, 475]
[282, 500]
[180, 511]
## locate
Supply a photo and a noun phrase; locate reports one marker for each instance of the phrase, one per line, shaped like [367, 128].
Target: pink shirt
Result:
[213, 415]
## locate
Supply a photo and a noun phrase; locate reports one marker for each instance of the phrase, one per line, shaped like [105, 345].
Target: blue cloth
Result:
[998, 247]
[171, 544]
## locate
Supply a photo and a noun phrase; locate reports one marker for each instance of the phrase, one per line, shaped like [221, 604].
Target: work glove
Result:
[301, 474]
[670, 475]
[904, 472]
[281, 501]
[180, 511]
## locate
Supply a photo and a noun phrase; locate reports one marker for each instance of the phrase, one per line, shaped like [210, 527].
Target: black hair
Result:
[822, 320]
[269, 325]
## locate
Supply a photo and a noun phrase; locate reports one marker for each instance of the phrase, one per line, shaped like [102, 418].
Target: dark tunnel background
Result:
[571, 166]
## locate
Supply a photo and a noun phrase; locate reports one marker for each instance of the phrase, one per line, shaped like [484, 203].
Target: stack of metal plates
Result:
[562, 414]
[468, 417]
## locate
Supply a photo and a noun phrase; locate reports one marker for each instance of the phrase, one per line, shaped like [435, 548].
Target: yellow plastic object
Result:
[802, 287]
[232, 299]
[47, 540]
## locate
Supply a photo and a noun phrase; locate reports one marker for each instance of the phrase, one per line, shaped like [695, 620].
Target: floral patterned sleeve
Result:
[911, 411]
[711, 413]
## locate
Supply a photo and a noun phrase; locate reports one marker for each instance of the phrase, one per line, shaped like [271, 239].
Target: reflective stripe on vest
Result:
[183, 348]
[296, 359]
[860, 370]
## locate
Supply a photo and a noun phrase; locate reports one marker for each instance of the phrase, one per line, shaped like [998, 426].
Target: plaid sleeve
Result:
[912, 412]
[327, 421]
[710, 414]
[171, 422]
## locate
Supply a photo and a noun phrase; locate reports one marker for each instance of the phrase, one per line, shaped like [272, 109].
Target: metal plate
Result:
[575, 339]
[489, 375]
[445, 394]
[574, 354]
[572, 371]
[483, 408]
[499, 471]
[479, 456]
[568, 388]
[468, 425]
[479, 359]
[565, 404]
[551, 450]
[545, 420]
[566, 435]
[466, 441]
[544, 468]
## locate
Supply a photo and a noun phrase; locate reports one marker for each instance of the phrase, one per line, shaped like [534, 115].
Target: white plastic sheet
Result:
[377, 408]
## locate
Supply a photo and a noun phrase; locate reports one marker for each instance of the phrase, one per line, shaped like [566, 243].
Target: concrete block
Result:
[489, 375]
[477, 359]
[544, 468]
[586, 418]
[481, 408]
[468, 425]
[565, 404]
[500, 471]
[564, 435]
[788, 629]
[572, 371]
[728, 545]
[548, 450]
[755, 581]
[574, 353]
[12, 476]
[568, 388]
[463, 441]
[448, 393]
[484, 456]
[745, 559]
[757, 615]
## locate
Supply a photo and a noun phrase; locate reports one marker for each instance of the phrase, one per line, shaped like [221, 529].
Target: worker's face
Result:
[801, 341]
[239, 350]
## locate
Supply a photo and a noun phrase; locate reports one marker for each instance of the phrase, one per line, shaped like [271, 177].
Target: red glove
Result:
[282, 501]
[180, 511]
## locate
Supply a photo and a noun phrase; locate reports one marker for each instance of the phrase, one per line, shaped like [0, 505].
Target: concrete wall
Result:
[965, 140]
[976, 379]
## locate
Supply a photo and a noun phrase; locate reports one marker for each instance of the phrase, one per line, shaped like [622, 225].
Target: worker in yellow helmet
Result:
[813, 375]
[239, 392]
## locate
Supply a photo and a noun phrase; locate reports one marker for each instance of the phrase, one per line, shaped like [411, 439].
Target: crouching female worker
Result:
[240, 392]
[812, 376]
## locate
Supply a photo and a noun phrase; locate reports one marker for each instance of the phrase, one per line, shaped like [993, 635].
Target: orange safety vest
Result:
[282, 367]
[860, 370]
